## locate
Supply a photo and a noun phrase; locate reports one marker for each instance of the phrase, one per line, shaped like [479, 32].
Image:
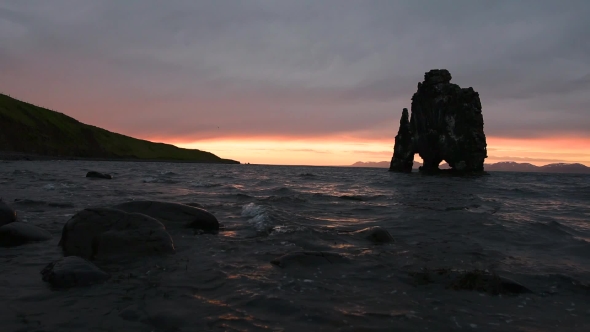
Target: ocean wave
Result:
[159, 180]
[283, 190]
[307, 175]
[31, 202]
[198, 184]
[49, 186]
[287, 229]
[252, 210]
[289, 199]
[259, 216]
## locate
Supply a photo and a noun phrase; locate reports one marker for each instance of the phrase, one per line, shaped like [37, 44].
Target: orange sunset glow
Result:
[334, 152]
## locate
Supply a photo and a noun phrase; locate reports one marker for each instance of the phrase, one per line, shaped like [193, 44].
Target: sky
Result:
[303, 82]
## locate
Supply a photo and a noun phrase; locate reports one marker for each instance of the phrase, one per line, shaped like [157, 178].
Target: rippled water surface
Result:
[533, 228]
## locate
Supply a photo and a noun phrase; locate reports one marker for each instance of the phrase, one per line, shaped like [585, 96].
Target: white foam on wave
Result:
[252, 210]
[261, 222]
[258, 215]
[286, 229]
[49, 186]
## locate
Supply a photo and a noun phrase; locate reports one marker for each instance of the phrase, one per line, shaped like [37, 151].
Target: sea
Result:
[530, 228]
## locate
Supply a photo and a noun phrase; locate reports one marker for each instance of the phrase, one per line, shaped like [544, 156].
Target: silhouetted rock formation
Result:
[403, 150]
[446, 124]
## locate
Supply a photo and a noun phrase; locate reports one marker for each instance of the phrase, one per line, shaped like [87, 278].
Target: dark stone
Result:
[446, 124]
[375, 234]
[130, 313]
[18, 233]
[7, 214]
[73, 271]
[309, 258]
[98, 175]
[102, 233]
[474, 280]
[482, 281]
[173, 215]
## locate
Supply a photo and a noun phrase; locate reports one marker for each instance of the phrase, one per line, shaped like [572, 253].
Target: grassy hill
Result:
[26, 128]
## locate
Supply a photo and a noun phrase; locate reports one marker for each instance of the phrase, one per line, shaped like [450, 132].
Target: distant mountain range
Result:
[505, 166]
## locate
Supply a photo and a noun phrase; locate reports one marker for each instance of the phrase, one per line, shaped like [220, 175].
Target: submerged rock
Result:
[487, 282]
[98, 175]
[73, 271]
[309, 258]
[446, 124]
[18, 233]
[102, 233]
[31, 202]
[7, 214]
[173, 214]
[375, 234]
[474, 280]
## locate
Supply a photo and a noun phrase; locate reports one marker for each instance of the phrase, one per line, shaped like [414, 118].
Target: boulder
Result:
[7, 214]
[375, 234]
[482, 281]
[102, 233]
[309, 258]
[446, 124]
[98, 175]
[173, 215]
[18, 233]
[73, 271]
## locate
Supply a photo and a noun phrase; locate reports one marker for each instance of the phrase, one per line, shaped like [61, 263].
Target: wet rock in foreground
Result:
[73, 271]
[375, 234]
[102, 233]
[7, 214]
[309, 258]
[98, 175]
[173, 215]
[19, 233]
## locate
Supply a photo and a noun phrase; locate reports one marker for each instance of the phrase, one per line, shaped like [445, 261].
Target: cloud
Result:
[304, 68]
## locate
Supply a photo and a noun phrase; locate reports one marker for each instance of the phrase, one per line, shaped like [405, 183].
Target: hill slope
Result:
[25, 128]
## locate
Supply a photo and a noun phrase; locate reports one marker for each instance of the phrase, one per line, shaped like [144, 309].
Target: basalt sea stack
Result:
[446, 124]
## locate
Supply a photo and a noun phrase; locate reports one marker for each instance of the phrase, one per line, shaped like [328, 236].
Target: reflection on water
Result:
[531, 227]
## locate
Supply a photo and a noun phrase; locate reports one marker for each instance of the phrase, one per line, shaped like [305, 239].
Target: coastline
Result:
[20, 156]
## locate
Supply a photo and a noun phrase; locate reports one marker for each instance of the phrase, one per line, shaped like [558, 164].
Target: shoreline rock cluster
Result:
[105, 235]
[118, 234]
